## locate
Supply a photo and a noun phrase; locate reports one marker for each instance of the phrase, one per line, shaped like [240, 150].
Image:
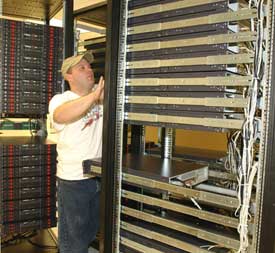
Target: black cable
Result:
[41, 246]
[17, 238]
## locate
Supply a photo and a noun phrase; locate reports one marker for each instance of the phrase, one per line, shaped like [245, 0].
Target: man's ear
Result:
[67, 77]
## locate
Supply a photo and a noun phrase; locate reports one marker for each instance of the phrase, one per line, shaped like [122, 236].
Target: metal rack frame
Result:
[266, 220]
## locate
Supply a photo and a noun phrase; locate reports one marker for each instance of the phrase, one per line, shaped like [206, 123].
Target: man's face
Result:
[81, 76]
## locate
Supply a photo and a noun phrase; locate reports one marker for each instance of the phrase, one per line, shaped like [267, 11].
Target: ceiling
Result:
[31, 9]
[89, 11]
[91, 15]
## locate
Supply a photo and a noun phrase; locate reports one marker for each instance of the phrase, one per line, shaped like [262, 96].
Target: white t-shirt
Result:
[77, 141]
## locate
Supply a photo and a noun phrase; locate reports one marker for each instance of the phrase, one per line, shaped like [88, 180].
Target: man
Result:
[76, 116]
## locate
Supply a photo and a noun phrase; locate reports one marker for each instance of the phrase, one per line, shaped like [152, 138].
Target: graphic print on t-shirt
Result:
[94, 114]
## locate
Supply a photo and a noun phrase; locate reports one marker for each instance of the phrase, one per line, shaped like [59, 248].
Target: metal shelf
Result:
[94, 14]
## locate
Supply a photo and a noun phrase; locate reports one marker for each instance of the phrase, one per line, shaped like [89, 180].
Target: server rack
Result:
[125, 71]
[28, 185]
[31, 57]
[98, 47]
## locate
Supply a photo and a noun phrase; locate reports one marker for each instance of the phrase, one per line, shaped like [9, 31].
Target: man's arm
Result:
[101, 98]
[75, 109]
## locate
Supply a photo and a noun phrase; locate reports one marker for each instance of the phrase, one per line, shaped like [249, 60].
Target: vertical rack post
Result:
[266, 202]
[167, 142]
[137, 139]
[112, 129]
[68, 39]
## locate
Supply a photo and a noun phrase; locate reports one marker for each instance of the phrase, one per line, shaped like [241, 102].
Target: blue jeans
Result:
[78, 214]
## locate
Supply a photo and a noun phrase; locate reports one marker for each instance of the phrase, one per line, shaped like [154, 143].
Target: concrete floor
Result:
[43, 238]
[46, 237]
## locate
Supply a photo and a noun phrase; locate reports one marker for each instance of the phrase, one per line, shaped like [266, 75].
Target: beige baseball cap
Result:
[73, 60]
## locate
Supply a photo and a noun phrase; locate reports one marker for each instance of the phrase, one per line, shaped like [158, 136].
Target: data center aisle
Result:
[42, 242]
